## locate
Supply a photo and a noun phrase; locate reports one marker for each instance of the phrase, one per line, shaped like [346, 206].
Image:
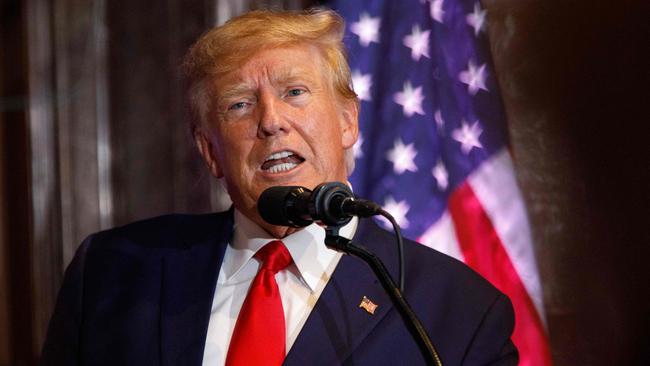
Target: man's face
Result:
[277, 121]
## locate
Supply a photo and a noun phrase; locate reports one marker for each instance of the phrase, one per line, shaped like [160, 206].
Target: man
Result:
[272, 104]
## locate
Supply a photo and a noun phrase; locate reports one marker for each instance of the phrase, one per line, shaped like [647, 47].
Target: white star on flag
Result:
[477, 18]
[440, 173]
[367, 28]
[468, 136]
[474, 77]
[362, 84]
[356, 148]
[402, 157]
[436, 10]
[410, 99]
[398, 210]
[440, 123]
[418, 42]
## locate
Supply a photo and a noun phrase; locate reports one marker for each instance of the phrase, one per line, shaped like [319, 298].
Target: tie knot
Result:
[274, 256]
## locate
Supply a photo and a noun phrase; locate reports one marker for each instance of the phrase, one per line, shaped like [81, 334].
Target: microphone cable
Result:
[400, 245]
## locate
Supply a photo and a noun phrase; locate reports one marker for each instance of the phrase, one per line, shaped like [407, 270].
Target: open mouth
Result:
[281, 162]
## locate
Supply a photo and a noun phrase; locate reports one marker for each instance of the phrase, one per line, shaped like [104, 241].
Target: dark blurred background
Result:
[93, 135]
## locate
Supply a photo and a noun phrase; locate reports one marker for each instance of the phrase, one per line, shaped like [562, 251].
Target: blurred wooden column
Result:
[30, 238]
[80, 39]
[4, 271]
[5, 296]
[44, 220]
[155, 168]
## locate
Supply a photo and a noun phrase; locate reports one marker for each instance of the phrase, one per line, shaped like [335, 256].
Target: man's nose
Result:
[271, 120]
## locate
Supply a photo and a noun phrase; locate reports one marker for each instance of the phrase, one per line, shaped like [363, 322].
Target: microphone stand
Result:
[336, 242]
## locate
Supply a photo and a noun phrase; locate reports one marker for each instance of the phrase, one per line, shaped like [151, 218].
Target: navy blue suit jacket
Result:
[141, 295]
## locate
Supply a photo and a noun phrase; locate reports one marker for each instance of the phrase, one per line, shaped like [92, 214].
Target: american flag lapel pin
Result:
[367, 305]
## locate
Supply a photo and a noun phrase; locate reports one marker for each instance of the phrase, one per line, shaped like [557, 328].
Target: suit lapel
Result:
[188, 283]
[337, 325]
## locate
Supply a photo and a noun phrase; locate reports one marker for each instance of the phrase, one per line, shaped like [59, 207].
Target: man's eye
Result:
[295, 92]
[236, 106]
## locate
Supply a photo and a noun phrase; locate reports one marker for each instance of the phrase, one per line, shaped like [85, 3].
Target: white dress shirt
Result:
[300, 284]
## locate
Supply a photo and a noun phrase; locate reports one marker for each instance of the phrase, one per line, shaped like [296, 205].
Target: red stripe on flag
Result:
[484, 252]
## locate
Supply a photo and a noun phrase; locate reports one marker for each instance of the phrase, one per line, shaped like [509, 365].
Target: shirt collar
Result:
[307, 248]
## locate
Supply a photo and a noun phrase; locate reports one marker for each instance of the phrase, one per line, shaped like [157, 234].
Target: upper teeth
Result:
[279, 155]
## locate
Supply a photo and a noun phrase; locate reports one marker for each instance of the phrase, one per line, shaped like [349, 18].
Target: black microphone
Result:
[331, 203]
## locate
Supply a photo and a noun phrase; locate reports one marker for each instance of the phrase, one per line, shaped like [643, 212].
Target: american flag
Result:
[433, 147]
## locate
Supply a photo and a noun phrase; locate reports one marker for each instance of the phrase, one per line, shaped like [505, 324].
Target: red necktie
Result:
[260, 335]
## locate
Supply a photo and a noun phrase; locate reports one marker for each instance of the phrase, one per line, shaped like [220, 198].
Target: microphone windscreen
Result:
[281, 205]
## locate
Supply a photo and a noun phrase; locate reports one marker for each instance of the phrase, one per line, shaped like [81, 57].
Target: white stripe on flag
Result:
[441, 236]
[495, 186]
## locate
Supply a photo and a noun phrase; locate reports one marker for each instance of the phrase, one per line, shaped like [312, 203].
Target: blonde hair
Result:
[224, 48]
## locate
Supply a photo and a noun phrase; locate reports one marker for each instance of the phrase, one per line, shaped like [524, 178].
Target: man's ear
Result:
[349, 123]
[206, 148]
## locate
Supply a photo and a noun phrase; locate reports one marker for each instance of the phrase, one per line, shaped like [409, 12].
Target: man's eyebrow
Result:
[281, 77]
[234, 91]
